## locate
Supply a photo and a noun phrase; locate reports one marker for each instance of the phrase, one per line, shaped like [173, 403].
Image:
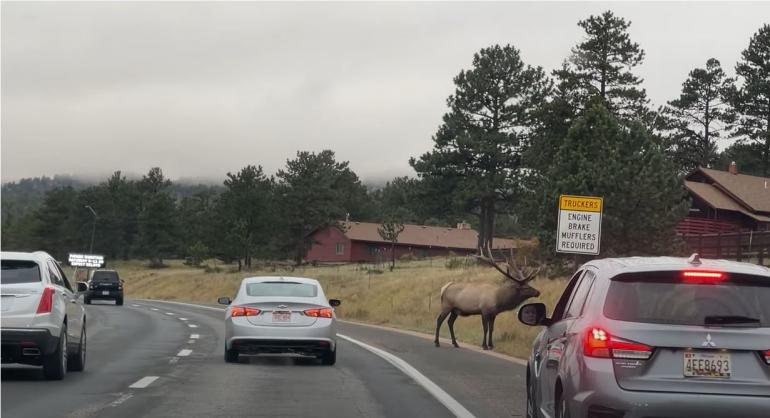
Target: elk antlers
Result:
[520, 275]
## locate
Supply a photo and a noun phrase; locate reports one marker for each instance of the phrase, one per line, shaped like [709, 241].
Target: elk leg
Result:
[451, 323]
[485, 325]
[491, 328]
[439, 321]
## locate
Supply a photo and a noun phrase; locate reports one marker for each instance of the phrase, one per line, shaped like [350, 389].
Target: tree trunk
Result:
[392, 256]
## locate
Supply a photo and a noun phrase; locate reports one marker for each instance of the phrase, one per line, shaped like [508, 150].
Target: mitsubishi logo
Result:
[708, 342]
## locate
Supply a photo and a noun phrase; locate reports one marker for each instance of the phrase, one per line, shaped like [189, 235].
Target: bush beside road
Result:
[407, 298]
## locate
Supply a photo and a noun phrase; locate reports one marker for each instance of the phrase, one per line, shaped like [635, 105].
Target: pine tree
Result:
[752, 99]
[602, 66]
[478, 149]
[696, 120]
[157, 232]
[643, 196]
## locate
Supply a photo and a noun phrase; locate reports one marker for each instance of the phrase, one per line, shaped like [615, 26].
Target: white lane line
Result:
[143, 382]
[170, 313]
[183, 319]
[192, 325]
[184, 353]
[135, 306]
[154, 309]
[173, 360]
[186, 304]
[194, 336]
[190, 341]
[447, 400]
[121, 399]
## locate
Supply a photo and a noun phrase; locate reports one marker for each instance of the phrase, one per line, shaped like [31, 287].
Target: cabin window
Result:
[372, 249]
[340, 248]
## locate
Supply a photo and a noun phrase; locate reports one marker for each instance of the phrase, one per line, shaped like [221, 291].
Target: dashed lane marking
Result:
[183, 319]
[143, 382]
[195, 336]
[121, 399]
[192, 325]
[184, 353]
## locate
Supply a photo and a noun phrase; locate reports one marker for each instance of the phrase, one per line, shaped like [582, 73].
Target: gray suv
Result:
[654, 337]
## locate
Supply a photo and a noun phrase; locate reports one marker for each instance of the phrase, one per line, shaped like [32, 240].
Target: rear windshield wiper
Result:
[730, 320]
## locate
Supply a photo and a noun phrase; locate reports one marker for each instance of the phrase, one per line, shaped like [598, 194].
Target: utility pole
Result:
[93, 229]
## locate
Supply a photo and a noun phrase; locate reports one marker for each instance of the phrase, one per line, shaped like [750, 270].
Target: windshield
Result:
[105, 276]
[288, 289]
[665, 298]
[19, 271]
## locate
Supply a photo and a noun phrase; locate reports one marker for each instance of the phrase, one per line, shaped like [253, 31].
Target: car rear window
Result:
[19, 271]
[105, 276]
[666, 298]
[289, 289]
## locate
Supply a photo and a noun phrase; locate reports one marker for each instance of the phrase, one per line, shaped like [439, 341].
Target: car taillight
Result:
[243, 311]
[599, 343]
[46, 301]
[319, 312]
[767, 356]
[702, 276]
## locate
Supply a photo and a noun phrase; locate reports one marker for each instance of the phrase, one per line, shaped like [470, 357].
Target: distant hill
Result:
[20, 197]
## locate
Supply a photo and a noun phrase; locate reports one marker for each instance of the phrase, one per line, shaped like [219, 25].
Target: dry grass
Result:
[406, 298]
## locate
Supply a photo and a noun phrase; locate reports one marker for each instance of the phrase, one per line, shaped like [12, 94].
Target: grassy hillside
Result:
[406, 298]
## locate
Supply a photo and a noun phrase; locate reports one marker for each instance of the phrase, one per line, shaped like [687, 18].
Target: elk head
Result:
[518, 276]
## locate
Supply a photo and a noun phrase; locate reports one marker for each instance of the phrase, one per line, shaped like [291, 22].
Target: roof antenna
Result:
[694, 259]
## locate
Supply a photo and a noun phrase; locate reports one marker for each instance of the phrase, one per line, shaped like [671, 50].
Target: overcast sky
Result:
[201, 89]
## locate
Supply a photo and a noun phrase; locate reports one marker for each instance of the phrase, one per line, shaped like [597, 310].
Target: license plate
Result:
[703, 364]
[105, 292]
[281, 316]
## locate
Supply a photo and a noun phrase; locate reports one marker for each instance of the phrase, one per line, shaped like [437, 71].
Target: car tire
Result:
[77, 362]
[119, 301]
[329, 358]
[531, 410]
[55, 364]
[87, 300]
[231, 356]
[561, 406]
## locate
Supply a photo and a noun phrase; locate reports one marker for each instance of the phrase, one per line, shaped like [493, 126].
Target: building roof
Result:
[717, 199]
[425, 236]
[750, 191]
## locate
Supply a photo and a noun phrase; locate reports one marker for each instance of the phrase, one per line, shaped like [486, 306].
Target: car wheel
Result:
[231, 356]
[561, 406]
[329, 358]
[119, 301]
[531, 410]
[55, 364]
[78, 360]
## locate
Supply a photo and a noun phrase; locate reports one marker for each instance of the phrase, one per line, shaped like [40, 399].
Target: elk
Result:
[487, 300]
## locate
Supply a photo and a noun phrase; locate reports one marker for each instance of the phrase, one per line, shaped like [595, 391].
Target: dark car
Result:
[105, 284]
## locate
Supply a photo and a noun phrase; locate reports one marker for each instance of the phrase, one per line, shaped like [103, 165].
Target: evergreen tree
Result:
[696, 120]
[314, 190]
[752, 99]
[643, 196]
[478, 148]
[54, 230]
[157, 233]
[601, 65]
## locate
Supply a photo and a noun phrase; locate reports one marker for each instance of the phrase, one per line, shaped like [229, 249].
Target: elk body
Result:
[487, 300]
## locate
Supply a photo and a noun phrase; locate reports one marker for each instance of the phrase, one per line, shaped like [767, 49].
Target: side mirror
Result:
[533, 314]
[82, 287]
[335, 302]
[224, 301]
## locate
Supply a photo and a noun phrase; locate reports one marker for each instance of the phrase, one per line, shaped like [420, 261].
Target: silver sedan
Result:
[280, 315]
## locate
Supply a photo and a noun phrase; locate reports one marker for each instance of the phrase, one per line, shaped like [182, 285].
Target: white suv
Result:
[43, 321]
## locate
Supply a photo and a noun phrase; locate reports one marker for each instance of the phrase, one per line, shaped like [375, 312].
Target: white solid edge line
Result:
[185, 304]
[447, 400]
[184, 353]
[195, 336]
[143, 382]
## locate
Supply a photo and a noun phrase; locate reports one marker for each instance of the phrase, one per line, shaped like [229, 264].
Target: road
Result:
[172, 355]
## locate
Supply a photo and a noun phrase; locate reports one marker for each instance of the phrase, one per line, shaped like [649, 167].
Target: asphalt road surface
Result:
[159, 359]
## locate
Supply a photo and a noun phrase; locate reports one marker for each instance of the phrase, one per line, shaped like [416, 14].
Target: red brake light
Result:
[320, 312]
[46, 301]
[599, 343]
[243, 311]
[767, 356]
[702, 276]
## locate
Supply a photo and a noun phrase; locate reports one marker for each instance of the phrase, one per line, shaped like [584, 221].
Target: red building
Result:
[360, 242]
[726, 201]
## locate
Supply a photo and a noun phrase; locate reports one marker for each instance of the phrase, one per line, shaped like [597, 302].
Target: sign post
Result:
[580, 224]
